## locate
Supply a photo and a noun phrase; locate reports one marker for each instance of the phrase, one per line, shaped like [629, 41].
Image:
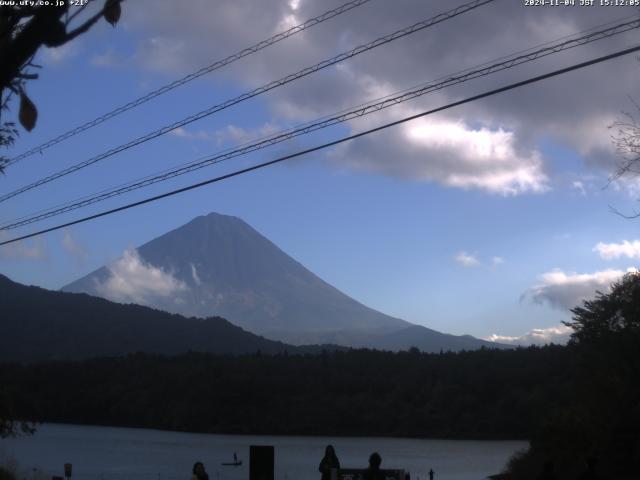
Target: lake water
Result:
[105, 453]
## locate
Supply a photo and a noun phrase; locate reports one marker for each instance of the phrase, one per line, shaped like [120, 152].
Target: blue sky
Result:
[483, 220]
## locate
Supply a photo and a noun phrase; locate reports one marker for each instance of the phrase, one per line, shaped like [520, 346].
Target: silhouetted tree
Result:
[627, 142]
[476, 394]
[601, 419]
[10, 427]
[614, 313]
[23, 30]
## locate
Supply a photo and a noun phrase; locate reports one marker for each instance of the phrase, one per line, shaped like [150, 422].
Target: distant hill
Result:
[217, 265]
[427, 340]
[39, 324]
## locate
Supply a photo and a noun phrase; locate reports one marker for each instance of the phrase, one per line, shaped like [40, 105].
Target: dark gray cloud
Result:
[573, 110]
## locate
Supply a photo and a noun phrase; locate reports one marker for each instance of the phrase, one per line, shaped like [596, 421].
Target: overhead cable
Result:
[188, 78]
[330, 144]
[253, 93]
[326, 122]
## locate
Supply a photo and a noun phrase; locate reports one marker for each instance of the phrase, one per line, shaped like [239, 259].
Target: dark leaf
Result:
[56, 34]
[112, 12]
[28, 112]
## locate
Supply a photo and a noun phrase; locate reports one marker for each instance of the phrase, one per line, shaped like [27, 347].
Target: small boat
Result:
[236, 462]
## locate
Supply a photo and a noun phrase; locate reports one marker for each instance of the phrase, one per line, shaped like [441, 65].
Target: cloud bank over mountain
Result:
[131, 280]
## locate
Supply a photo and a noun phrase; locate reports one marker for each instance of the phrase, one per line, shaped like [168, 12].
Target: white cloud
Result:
[449, 152]
[537, 336]
[229, 134]
[497, 261]
[287, 22]
[194, 274]
[578, 185]
[612, 251]
[481, 158]
[629, 185]
[107, 59]
[242, 135]
[131, 280]
[59, 55]
[466, 260]
[163, 54]
[181, 132]
[72, 246]
[565, 291]
[23, 249]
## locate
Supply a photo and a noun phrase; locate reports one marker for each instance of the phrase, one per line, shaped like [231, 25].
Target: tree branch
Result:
[90, 22]
[77, 12]
[84, 27]
[618, 212]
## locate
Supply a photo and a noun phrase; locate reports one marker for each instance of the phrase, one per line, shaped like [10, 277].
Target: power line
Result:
[326, 122]
[258, 91]
[509, 60]
[333, 143]
[192, 76]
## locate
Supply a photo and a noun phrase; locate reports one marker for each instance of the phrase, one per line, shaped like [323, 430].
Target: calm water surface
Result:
[105, 453]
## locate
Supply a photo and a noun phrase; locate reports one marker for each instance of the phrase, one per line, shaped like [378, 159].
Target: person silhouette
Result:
[329, 461]
[199, 473]
[431, 474]
[373, 472]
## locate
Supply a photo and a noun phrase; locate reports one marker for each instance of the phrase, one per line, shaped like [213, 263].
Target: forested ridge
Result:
[577, 404]
[40, 325]
[478, 394]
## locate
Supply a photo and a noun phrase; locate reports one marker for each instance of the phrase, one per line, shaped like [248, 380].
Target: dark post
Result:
[261, 462]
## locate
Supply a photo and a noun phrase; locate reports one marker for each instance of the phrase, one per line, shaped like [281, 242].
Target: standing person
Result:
[431, 474]
[329, 461]
[199, 473]
[373, 472]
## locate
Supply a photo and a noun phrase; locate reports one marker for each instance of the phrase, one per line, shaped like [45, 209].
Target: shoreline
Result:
[282, 435]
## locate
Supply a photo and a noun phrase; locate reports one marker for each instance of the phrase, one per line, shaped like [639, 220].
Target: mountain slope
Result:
[39, 324]
[429, 340]
[219, 265]
[226, 268]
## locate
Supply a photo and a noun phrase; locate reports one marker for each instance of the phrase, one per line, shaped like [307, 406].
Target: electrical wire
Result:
[333, 143]
[188, 78]
[325, 122]
[258, 91]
